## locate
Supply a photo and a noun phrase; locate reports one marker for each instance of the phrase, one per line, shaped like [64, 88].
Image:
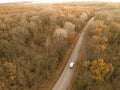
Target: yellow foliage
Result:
[99, 69]
[10, 67]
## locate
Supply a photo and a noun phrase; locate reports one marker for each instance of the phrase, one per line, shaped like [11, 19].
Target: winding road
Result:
[65, 78]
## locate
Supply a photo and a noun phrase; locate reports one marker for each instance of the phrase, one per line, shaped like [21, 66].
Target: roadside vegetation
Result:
[98, 66]
[33, 39]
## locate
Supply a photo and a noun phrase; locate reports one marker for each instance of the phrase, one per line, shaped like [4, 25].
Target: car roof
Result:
[71, 63]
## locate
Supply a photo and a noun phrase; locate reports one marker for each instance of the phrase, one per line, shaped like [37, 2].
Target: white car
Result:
[71, 65]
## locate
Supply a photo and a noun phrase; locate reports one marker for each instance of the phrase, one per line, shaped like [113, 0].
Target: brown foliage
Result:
[29, 50]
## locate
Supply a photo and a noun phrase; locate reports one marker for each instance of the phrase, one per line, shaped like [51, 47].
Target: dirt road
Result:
[66, 75]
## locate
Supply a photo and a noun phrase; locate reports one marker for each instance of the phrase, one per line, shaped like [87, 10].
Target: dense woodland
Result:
[33, 39]
[98, 66]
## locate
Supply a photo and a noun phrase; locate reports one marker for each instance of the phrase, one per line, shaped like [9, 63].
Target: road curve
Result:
[66, 75]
